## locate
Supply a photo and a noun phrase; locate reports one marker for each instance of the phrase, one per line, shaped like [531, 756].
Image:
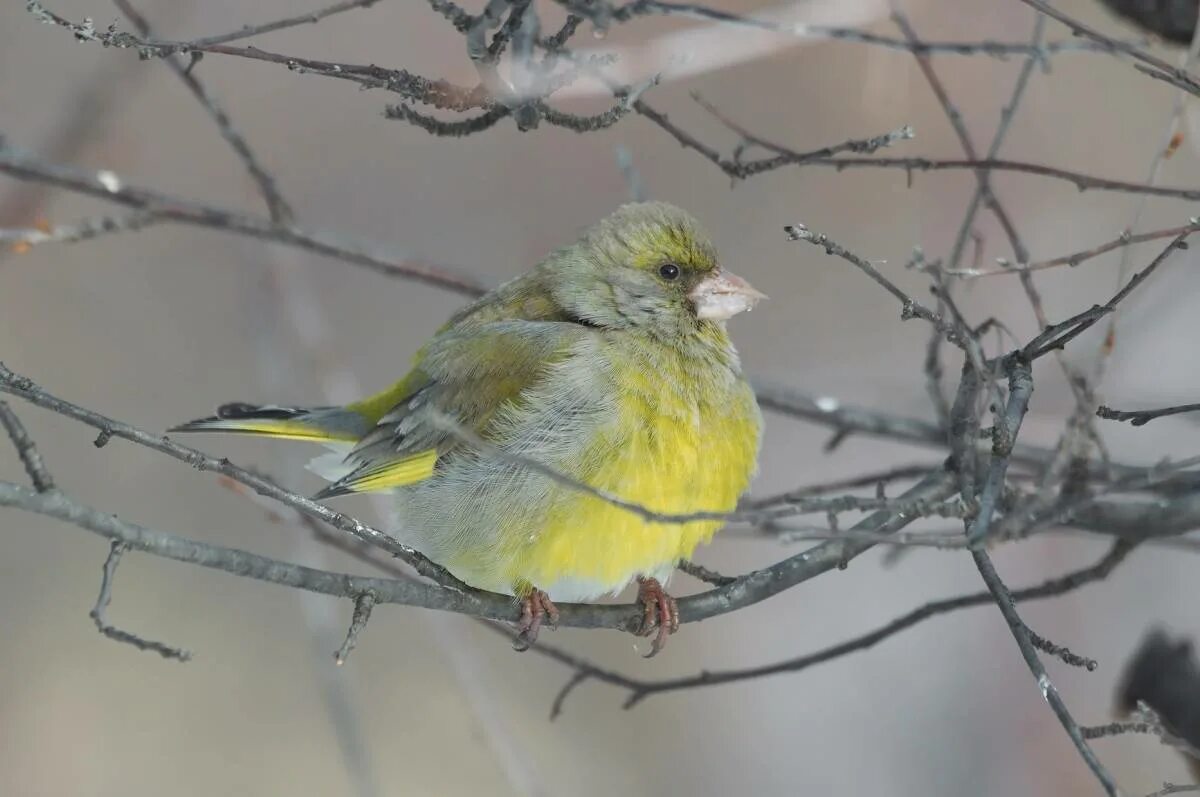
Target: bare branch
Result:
[863, 146]
[22, 240]
[1116, 729]
[640, 690]
[436, 93]
[1143, 417]
[1155, 67]
[1062, 653]
[1058, 335]
[281, 212]
[704, 574]
[1075, 258]
[1081, 181]
[1003, 491]
[311, 18]
[1171, 788]
[363, 604]
[984, 192]
[445, 128]
[745, 590]
[109, 186]
[1020, 632]
[25, 388]
[910, 307]
[27, 450]
[99, 612]
[1004, 436]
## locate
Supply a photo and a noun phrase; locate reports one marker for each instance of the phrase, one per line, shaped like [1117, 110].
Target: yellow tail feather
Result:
[320, 425]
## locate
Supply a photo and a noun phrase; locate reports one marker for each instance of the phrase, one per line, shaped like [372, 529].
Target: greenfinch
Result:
[609, 364]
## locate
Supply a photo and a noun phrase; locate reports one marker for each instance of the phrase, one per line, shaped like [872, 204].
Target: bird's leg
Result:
[659, 611]
[536, 607]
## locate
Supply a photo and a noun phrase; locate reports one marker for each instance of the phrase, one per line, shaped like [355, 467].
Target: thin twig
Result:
[21, 240]
[1080, 180]
[704, 574]
[436, 93]
[107, 185]
[1116, 729]
[1060, 652]
[1004, 599]
[640, 690]
[281, 212]
[310, 18]
[910, 307]
[1171, 788]
[1143, 417]
[1075, 258]
[27, 451]
[363, 604]
[1157, 161]
[1156, 66]
[99, 612]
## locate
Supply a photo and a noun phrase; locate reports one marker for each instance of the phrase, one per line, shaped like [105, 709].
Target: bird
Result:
[604, 375]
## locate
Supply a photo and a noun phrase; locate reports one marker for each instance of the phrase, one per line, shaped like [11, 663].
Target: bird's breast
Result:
[683, 438]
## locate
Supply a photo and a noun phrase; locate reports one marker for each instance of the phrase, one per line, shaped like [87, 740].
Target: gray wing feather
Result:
[467, 389]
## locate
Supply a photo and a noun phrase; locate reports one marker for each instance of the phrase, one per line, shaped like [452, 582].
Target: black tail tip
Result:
[198, 425]
[332, 491]
[236, 410]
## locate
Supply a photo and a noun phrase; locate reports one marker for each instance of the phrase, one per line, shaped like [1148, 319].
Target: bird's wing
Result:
[463, 382]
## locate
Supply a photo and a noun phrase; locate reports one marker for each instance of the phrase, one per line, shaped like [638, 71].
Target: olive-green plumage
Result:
[610, 363]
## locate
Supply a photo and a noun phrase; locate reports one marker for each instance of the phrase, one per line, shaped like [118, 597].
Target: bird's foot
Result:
[536, 608]
[659, 611]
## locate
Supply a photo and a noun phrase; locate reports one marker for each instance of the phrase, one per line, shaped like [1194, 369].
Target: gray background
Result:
[159, 327]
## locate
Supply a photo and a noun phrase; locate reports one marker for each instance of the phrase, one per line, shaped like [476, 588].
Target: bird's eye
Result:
[669, 271]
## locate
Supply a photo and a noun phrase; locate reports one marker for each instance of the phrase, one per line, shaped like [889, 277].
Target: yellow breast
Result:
[680, 445]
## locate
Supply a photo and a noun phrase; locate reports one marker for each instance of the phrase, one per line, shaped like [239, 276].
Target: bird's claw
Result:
[536, 609]
[659, 611]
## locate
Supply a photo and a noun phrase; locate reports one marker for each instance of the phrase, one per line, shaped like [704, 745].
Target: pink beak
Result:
[721, 295]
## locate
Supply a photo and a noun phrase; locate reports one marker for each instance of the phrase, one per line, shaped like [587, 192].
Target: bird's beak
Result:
[721, 296]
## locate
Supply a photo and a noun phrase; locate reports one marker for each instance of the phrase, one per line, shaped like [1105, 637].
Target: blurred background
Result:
[162, 325]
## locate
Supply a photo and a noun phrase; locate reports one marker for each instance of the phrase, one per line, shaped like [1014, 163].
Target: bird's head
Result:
[647, 265]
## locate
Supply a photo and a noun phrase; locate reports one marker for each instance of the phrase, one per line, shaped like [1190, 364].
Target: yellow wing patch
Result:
[397, 473]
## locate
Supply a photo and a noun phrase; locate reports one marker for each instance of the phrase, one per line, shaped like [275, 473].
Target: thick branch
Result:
[641, 689]
[743, 591]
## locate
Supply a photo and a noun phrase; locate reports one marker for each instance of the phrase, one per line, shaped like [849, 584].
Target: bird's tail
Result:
[316, 424]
